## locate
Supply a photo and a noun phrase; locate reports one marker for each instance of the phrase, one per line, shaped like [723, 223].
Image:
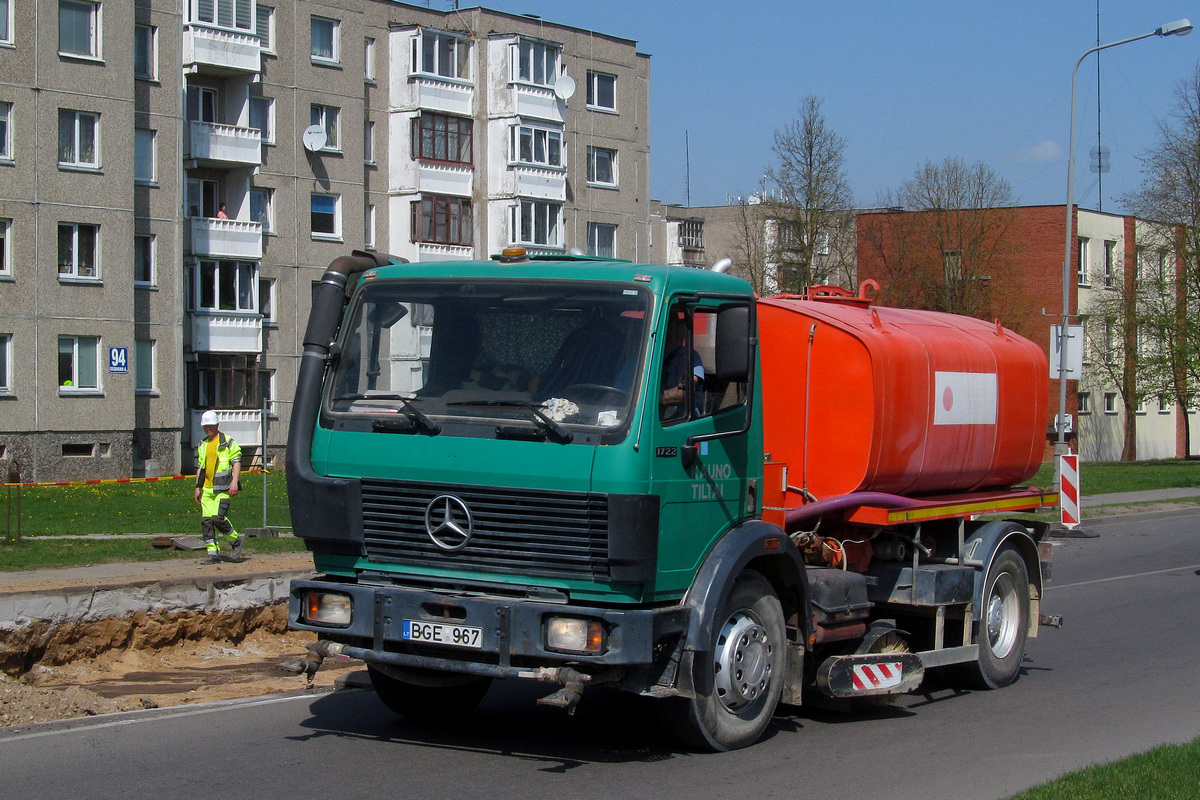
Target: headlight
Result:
[327, 608]
[574, 635]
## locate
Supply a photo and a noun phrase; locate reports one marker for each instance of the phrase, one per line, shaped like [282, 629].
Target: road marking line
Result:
[1192, 567]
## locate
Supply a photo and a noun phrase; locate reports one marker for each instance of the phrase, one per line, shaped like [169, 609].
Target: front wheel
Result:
[428, 695]
[738, 682]
[1003, 625]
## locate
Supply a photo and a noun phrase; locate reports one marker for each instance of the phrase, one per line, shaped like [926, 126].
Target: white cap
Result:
[208, 418]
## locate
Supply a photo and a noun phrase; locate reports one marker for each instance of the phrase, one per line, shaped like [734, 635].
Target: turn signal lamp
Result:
[327, 608]
[574, 635]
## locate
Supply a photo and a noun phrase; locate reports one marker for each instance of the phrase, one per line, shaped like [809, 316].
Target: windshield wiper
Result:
[553, 430]
[412, 413]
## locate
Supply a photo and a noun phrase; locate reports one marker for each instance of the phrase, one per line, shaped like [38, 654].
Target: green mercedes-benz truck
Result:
[588, 472]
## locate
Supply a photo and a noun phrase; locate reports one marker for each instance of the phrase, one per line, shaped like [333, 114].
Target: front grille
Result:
[527, 532]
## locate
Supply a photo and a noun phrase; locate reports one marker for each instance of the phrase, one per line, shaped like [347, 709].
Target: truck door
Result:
[701, 497]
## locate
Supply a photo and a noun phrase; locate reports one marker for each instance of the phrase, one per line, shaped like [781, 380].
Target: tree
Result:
[946, 245]
[1170, 196]
[807, 206]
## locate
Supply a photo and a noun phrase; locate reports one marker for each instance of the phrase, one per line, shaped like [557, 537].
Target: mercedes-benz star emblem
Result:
[448, 522]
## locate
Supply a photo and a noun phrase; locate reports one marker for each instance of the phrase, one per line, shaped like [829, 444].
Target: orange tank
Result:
[900, 401]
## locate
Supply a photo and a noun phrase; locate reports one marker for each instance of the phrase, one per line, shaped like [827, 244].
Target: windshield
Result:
[555, 362]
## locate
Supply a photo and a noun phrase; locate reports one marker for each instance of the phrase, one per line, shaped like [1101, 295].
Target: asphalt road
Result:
[1117, 679]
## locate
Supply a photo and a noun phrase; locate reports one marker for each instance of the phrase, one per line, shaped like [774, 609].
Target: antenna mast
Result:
[687, 170]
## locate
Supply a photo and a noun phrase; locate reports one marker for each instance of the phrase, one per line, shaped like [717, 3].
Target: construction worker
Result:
[219, 464]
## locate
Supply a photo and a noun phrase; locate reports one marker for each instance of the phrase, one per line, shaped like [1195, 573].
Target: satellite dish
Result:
[564, 87]
[314, 138]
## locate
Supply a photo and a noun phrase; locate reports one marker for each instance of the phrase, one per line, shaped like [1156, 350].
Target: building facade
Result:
[175, 177]
[1111, 409]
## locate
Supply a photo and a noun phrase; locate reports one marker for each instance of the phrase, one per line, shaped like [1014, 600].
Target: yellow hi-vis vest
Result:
[228, 452]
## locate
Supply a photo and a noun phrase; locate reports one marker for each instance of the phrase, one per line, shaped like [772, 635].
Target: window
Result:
[327, 118]
[369, 60]
[143, 156]
[5, 363]
[78, 139]
[602, 166]
[226, 286]
[6, 21]
[260, 208]
[1163, 273]
[533, 145]
[262, 116]
[602, 240]
[691, 234]
[78, 364]
[264, 26]
[6, 150]
[1110, 251]
[440, 219]
[537, 62]
[5, 248]
[1110, 402]
[218, 380]
[77, 250]
[324, 39]
[266, 301]
[1110, 341]
[145, 57]
[369, 227]
[1083, 336]
[203, 198]
[202, 103]
[1081, 264]
[1085, 402]
[1164, 405]
[143, 367]
[601, 91]
[952, 265]
[78, 28]
[232, 14]
[266, 390]
[326, 218]
[144, 272]
[369, 143]
[443, 55]
[537, 222]
[438, 137]
[688, 388]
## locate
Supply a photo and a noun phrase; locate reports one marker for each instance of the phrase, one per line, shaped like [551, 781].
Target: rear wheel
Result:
[739, 681]
[1004, 623]
[427, 695]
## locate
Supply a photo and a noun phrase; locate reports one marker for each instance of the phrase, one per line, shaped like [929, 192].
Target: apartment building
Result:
[174, 179]
[1113, 258]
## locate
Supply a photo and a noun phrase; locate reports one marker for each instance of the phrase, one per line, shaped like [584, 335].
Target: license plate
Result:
[442, 633]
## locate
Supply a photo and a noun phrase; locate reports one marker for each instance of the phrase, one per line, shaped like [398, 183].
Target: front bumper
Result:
[512, 642]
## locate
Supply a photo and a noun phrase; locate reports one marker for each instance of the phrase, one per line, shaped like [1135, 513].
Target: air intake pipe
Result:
[324, 509]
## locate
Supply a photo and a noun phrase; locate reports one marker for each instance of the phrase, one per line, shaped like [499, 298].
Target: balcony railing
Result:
[244, 425]
[226, 331]
[218, 51]
[227, 238]
[217, 145]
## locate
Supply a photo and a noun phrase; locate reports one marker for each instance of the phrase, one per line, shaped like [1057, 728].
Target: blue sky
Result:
[902, 82]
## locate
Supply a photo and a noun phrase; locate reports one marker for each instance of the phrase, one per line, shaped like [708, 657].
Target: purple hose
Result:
[794, 516]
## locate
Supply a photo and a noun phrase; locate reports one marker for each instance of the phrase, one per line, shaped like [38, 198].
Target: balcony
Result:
[243, 424]
[226, 331]
[213, 145]
[220, 52]
[226, 238]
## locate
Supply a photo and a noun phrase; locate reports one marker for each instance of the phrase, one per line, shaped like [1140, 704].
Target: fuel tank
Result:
[858, 397]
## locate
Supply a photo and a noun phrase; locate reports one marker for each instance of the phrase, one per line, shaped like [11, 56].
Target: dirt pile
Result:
[148, 660]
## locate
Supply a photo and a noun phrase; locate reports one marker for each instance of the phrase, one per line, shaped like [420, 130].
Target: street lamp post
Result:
[1178, 28]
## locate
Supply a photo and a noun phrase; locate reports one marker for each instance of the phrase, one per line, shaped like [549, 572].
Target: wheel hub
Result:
[742, 661]
[1002, 615]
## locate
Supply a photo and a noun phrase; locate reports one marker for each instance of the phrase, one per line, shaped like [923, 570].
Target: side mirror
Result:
[733, 344]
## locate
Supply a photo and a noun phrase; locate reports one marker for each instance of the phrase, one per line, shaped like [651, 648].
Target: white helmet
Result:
[208, 418]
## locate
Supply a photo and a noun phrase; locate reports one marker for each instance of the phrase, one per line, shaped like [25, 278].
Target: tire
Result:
[738, 681]
[437, 696]
[1004, 623]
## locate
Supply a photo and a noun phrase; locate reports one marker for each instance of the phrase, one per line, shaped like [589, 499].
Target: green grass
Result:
[1106, 477]
[138, 507]
[52, 553]
[1170, 772]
